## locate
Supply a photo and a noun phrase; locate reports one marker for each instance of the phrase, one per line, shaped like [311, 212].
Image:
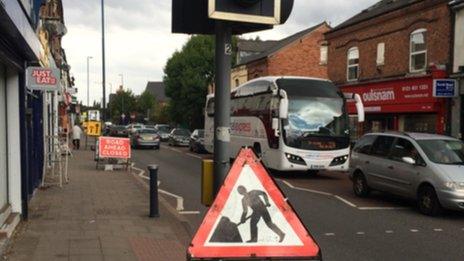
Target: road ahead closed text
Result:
[114, 148]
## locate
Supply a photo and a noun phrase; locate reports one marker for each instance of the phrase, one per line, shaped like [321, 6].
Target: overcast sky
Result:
[139, 39]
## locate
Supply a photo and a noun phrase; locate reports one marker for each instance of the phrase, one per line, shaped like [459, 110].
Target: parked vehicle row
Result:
[427, 168]
[152, 135]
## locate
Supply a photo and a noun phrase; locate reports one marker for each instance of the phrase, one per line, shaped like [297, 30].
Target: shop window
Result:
[353, 64]
[380, 54]
[418, 51]
[324, 54]
[425, 123]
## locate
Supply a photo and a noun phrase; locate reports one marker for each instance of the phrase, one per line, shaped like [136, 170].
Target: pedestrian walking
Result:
[77, 133]
[253, 200]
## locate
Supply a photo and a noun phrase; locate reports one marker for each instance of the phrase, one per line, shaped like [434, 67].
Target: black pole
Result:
[154, 208]
[222, 103]
[103, 61]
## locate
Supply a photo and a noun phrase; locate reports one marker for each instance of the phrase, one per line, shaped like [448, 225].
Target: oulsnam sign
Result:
[43, 79]
[118, 148]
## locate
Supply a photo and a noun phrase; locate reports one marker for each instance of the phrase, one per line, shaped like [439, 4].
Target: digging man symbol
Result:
[253, 200]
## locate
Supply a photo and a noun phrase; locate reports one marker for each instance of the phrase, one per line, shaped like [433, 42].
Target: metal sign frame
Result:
[214, 14]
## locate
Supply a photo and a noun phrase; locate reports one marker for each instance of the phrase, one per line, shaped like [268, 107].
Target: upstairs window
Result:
[418, 51]
[324, 52]
[380, 54]
[353, 64]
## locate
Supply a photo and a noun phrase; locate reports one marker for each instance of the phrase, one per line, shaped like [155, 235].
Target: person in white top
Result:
[77, 133]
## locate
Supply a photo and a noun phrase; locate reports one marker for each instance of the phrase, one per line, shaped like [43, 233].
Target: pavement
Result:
[99, 215]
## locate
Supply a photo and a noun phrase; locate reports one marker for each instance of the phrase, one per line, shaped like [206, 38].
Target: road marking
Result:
[381, 208]
[193, 155]
[414, 230]
[438, 230]
[304, 189]
[179, 151]
[345, 201]
[329, 234]
[389, 231]
[360, 233]
[189, 212]
[179, 199]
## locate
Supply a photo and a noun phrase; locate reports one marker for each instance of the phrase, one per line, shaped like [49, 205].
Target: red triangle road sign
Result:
[251, 219]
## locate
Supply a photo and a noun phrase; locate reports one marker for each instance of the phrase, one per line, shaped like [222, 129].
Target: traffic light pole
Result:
[222, 103]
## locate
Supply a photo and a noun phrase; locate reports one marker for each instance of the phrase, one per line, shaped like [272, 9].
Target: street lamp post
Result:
[88, 81]
[103, 60]
[122, 79]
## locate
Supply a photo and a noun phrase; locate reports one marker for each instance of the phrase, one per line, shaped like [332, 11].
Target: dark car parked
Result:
[164, 131]
[179, 137]
[118, 131]
[197, 140]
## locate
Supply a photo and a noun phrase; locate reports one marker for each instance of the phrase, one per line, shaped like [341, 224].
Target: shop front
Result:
[406, 104]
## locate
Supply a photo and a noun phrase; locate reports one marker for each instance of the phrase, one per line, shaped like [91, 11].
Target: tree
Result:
[187, 75]
[146, 104]
[122, 102]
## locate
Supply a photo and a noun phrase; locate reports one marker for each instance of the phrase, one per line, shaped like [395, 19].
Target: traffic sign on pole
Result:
[251, 219]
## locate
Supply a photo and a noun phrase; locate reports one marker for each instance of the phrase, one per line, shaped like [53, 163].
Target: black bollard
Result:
[154, 209]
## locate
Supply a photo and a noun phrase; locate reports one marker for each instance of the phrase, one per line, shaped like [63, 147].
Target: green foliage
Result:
[187, 75]
[123, 101]
[146, 105]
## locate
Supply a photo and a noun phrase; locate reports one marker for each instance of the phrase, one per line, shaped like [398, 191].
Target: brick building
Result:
[301, 54]
[390, 54]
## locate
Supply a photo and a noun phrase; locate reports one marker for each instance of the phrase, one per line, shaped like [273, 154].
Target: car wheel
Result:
[428, 202]
[190, 148]
[360, 187]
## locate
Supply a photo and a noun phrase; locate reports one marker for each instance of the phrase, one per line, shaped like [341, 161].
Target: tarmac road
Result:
[381, 227]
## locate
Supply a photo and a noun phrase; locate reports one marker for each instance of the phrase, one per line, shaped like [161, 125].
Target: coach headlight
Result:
[295, 159]
[339, 160]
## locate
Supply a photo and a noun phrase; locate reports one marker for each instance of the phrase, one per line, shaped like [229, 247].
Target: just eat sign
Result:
[45, 79]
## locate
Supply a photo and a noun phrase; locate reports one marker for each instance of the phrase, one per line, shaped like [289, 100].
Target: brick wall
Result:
[300, 58]
[257, 69]
[394, 30]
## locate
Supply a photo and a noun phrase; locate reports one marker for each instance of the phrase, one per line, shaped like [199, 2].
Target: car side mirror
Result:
[409, 160]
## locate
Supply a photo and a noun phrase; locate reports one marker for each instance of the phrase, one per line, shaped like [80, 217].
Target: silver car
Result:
[425, 167]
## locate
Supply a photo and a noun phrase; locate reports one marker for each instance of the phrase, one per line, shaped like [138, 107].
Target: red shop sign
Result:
[414, 94]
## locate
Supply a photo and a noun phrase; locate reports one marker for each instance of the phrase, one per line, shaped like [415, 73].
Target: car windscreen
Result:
[449, 152]
[147, 131]
[201, 133]
[164, 128]
[118, 128]
[182, 132]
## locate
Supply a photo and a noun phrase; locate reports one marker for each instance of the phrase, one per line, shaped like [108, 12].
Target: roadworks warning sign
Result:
[251, 219]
